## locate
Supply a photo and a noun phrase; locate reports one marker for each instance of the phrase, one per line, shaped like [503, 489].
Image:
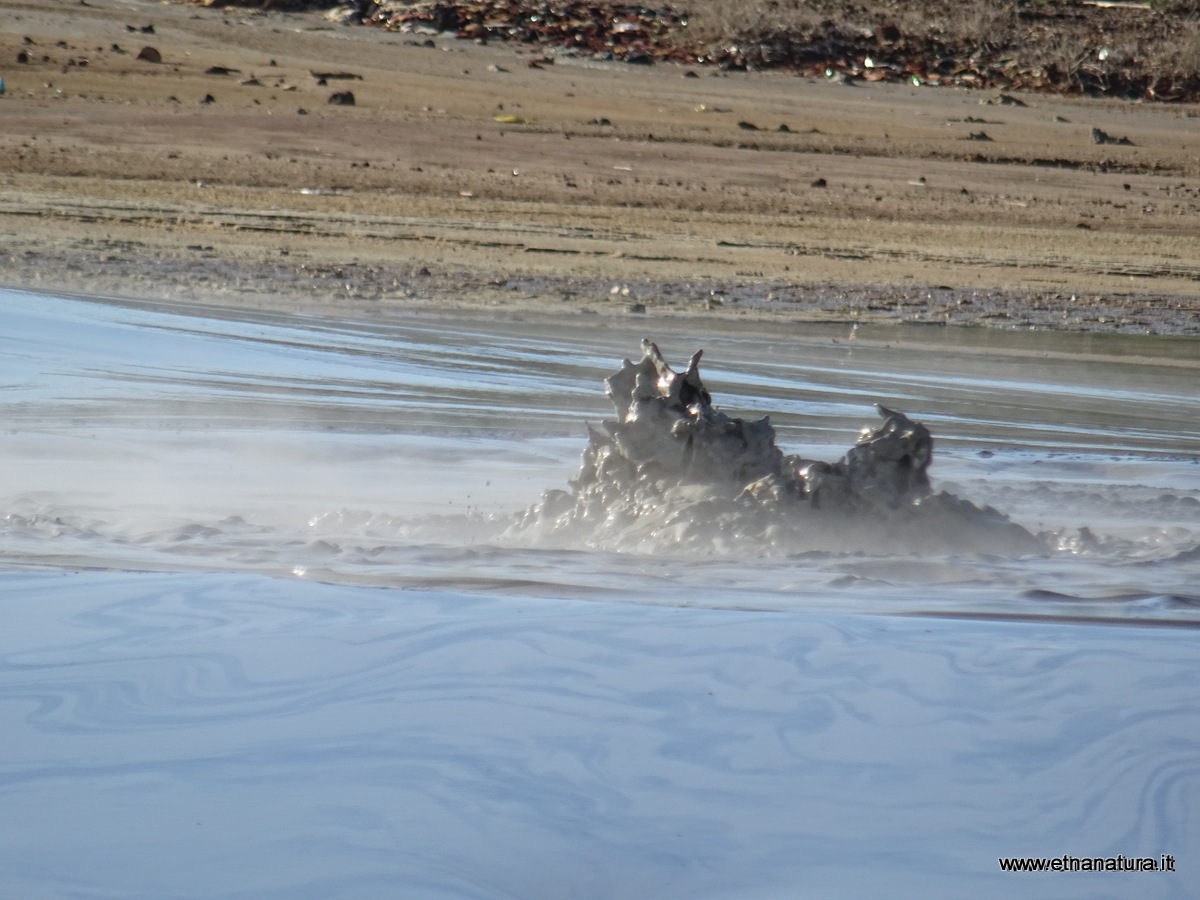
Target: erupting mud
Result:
[674, 472]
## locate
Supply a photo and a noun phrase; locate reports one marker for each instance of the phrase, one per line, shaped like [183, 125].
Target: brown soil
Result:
[610, 188]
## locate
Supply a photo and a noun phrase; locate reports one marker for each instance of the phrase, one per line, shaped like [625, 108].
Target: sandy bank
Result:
[464, 176]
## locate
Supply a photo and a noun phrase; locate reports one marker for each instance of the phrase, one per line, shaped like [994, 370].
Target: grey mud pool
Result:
[266, 635]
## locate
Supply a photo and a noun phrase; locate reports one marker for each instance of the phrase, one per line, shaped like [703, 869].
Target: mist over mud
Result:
[402, 452]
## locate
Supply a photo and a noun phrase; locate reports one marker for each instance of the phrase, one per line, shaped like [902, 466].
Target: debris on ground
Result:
[1062, 48]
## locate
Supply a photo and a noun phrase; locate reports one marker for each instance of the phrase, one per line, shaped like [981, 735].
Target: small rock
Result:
[1004, 100]
[150, 55]
[889, 33]
[978, 136]
[820, 183]
[342, 98]
[747, 126]
[1103, 137]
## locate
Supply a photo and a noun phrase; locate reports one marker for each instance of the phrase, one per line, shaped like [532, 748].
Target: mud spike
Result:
[666, 375]
[690, 387]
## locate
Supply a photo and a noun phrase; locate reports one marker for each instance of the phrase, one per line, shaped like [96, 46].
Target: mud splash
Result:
[674, 473]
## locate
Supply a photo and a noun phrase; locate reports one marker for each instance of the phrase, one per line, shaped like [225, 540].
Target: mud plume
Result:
[673, 473]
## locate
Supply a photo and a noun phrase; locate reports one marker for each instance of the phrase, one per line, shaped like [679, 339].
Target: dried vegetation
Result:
[1147, 50]
[1130, 50]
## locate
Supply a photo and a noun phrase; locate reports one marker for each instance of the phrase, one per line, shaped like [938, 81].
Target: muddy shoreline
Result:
[368, 291]
[463, 178]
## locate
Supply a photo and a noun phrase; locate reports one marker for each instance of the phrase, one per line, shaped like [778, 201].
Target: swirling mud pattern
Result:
[310, 607]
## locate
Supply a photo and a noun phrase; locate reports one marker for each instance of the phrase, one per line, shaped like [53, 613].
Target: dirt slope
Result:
[463, 175]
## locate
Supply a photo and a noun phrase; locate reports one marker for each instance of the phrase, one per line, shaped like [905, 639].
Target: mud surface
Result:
[462, 177]
[673, 473]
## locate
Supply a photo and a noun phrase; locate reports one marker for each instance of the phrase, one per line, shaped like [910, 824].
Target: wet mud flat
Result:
[262, 634]
[462, 176]
[398, 451]
[301, 739]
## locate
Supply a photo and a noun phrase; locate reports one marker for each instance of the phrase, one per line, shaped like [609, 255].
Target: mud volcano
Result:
[672, 473]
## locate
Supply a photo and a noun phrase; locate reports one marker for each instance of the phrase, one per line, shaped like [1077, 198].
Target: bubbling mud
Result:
[673, 473]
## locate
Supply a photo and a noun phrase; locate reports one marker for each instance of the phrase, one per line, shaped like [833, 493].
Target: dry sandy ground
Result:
[619, 189]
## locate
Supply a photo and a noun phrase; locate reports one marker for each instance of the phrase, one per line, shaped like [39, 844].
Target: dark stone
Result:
[1101, 137]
